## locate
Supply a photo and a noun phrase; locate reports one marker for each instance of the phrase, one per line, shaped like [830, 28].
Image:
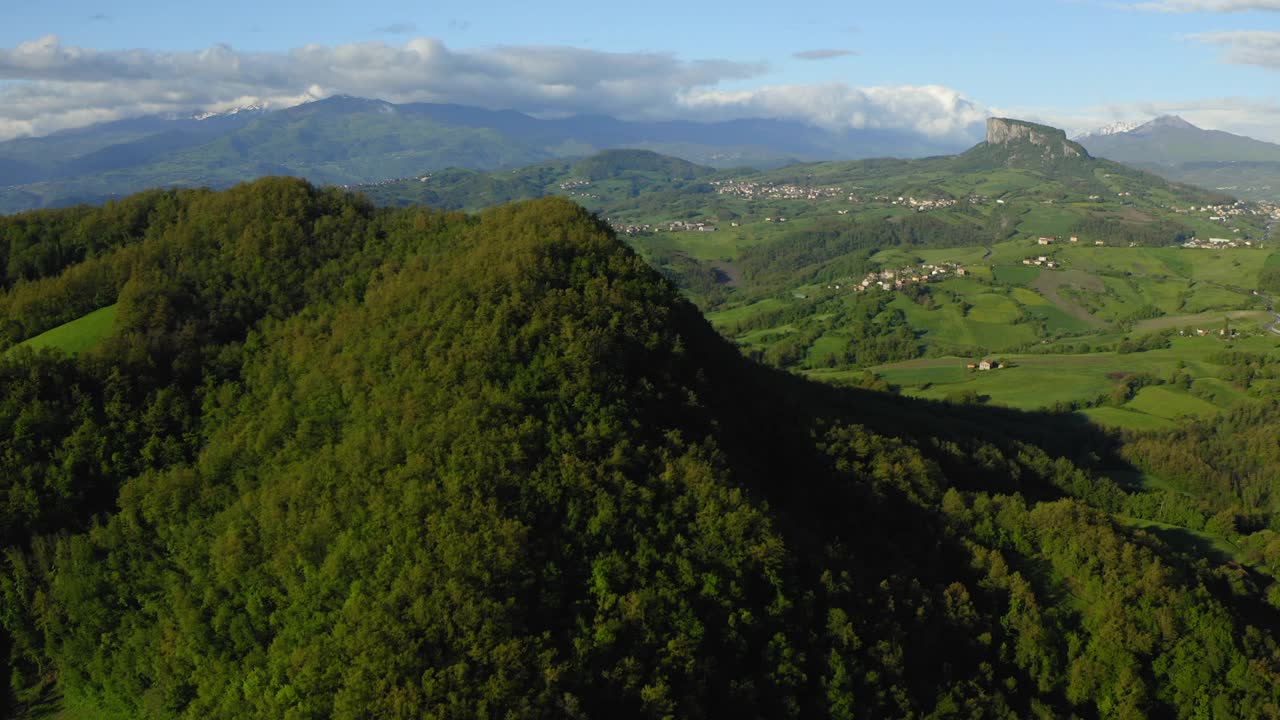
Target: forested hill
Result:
[344, 462]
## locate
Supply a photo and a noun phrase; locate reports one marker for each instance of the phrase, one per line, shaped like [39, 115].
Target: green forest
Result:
[334, 460]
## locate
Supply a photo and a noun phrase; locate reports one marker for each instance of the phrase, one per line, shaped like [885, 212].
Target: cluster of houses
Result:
[784, 191]
[787, 191]
[571, 188]
[922, 204]
[984, 365]
[1051, 239]
[1227, 333]
[631, 230]
[898, 279]
[1042, 261]
[1223, 212]
[690, 226]
[379, 183]
[1216, 243]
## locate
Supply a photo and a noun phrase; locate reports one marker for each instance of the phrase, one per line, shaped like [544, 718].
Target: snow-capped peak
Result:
[1114, 128]
[233, 111]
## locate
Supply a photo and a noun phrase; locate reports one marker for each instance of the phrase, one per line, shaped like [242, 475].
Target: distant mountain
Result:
[248, 110]
[109, 146]
[1172, 141]
[1109, 129]
[1178, 150]
[349, 140]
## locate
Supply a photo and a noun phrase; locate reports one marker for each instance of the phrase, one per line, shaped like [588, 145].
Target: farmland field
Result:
[1039, 381]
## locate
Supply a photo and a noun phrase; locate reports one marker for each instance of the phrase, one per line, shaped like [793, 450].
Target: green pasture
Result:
[1048, 219]
[1125, 419]
[79, 334]
[723, 244]
[1052, 283]
[825, 345]
[1037, 381]
[1164, 402]
[987, 325]
[1218, 392]
[741, 313]
[1241, 319]
[1016, 274]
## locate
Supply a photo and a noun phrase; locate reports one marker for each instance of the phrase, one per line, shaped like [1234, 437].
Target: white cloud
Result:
[822, 54]
[930, 109]
[45, 85]
[1246, 47]
[1220, 6]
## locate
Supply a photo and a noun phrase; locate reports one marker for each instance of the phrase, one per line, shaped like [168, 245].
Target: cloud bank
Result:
[1219, 6]
[46, 86]
[1246, 47]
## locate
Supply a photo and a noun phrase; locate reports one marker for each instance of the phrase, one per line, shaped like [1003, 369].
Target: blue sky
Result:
[1072, 62]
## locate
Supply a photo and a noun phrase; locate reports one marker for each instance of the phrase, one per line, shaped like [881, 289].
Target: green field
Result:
[988, 323]
[1240, 319]
[1170, 404]
[79, 334]
[1040, 381]
[1016, 274]
[741, 313]
[1126, 419]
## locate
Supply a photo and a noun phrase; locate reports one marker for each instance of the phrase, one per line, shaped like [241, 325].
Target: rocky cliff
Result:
[1004, 131]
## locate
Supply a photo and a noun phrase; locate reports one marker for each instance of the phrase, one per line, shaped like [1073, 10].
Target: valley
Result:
[683, 361]
[963, 363]
[1068, 264]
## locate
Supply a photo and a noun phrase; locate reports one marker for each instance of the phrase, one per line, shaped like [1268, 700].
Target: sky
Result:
[938, 67]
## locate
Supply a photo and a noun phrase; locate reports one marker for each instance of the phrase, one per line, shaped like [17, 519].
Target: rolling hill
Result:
[339, 461]
[1018, 170]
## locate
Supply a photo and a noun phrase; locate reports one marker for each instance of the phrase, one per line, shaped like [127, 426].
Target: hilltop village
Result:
[910, 275]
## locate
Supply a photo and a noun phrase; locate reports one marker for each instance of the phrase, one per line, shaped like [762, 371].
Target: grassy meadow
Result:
[78, 335]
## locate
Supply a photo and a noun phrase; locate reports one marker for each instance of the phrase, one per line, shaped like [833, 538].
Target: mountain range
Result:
[1172, 147]
[345, 140]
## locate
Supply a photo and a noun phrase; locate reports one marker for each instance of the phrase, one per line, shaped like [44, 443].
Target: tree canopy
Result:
[346, 462]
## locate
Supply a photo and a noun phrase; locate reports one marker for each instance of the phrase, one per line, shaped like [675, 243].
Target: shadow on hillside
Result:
[1186, 541]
